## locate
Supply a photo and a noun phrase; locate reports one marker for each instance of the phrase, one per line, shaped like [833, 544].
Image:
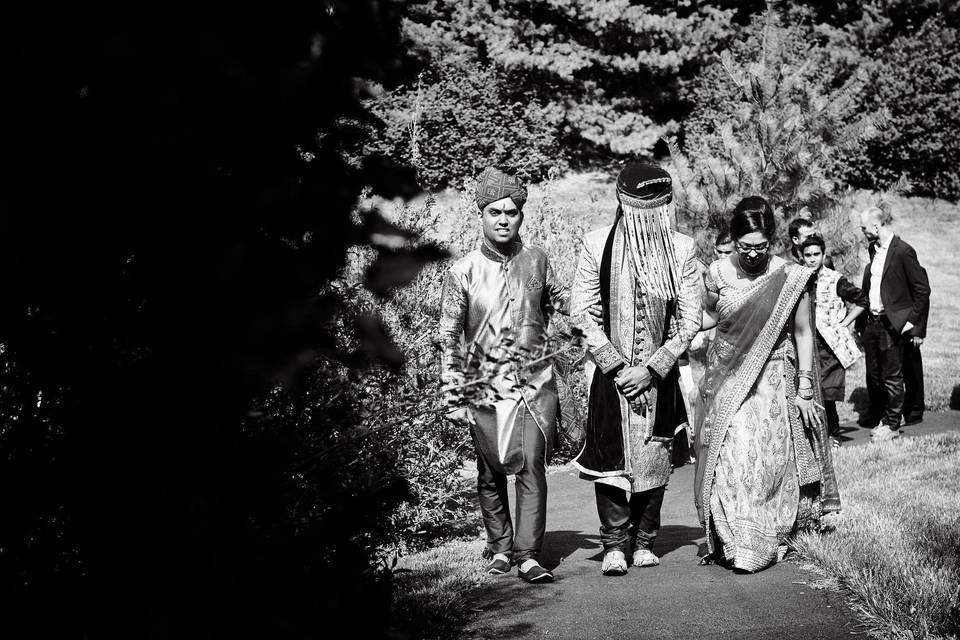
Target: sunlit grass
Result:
[432, 586]
[897, 545]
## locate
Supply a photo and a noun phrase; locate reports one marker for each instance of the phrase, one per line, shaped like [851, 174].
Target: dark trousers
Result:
[628, 522]
[883, 351]
[531, 487]
[833, 418]
[913, 404]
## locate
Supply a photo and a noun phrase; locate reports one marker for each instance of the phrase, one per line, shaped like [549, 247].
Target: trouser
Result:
[883, 351]
[833, 418]
[531, 490]
[913, 402]
[631, 521]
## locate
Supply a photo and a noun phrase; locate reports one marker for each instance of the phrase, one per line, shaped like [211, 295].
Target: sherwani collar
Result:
[491, 252]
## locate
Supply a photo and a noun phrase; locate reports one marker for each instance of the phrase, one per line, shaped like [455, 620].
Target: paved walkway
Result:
[678, 599]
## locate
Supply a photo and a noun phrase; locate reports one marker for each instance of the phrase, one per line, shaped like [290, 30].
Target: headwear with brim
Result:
[493, 185]
[645, 192]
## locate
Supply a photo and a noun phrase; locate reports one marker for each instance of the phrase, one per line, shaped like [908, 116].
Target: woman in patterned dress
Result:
[763, 456]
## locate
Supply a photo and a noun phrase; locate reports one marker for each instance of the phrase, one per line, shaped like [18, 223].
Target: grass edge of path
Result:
[894, 553]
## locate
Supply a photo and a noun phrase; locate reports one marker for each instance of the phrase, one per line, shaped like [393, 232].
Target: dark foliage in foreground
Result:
[170, 215]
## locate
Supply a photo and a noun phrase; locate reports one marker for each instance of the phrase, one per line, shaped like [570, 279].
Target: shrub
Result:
[454, 122]
[369, 431]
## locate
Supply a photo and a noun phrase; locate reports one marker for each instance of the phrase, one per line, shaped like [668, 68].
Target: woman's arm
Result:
[711, 296]
[803, 335]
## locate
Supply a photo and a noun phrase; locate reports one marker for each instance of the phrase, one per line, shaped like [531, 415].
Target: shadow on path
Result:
[558, 545]
[670, 538]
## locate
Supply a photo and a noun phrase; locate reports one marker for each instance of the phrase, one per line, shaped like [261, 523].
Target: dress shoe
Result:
[614, 563]
[645, 558]
[531, 571]
[907, 422]
[499, 565]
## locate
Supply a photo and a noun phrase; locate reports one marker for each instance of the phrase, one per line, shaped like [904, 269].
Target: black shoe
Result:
[498, 567]
[912, 421]
[536, 573]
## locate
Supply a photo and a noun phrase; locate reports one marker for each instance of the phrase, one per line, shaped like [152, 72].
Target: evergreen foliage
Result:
[590, 80]
[765, 129]
[451, 124]
[916, 77]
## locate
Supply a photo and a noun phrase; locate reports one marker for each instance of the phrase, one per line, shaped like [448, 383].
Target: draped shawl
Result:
[745, 340]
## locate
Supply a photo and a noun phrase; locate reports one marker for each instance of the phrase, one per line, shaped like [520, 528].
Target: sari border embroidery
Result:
[766, 340]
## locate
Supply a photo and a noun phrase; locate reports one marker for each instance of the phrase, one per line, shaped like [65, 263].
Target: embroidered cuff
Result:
[662, 361]
[607, 358]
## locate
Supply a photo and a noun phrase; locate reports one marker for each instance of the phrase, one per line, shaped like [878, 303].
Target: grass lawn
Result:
[431, 588]
[897, 545]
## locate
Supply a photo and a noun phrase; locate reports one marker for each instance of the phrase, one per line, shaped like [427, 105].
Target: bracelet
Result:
[805, 397]
[805, 373]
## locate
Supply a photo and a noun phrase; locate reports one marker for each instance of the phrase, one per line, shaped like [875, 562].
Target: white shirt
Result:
[876, 273]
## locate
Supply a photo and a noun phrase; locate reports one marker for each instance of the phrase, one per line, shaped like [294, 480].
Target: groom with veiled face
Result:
[644, 276]
[496, 298]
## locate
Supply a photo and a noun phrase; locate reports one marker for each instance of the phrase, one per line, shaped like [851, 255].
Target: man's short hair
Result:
[796, 224]
[882, 213]
[814, 241]
[723, 237]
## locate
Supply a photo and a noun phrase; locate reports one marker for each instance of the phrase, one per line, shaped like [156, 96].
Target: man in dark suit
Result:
[898, 292]
[913, 400]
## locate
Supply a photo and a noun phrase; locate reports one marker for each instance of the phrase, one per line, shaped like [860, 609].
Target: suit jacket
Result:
[904, 288]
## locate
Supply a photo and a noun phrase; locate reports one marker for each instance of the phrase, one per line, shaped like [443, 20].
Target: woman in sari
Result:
[763, 457]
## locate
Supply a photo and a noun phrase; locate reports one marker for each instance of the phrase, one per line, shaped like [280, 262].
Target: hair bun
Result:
[751, 214]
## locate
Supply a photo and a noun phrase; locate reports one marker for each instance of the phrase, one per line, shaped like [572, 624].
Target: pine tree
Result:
[587, 81]
[774, 133]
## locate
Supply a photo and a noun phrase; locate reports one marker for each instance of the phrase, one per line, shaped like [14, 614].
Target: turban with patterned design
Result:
[493, 185]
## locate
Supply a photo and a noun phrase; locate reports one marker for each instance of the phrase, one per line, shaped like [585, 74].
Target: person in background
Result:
[504, 291]
[913, 397]
[898, 293]
[799, 230]
[837, 349]
[722, 245]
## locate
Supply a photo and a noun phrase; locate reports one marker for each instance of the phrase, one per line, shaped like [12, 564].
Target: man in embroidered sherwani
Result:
[505, 289]
[645, 277]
